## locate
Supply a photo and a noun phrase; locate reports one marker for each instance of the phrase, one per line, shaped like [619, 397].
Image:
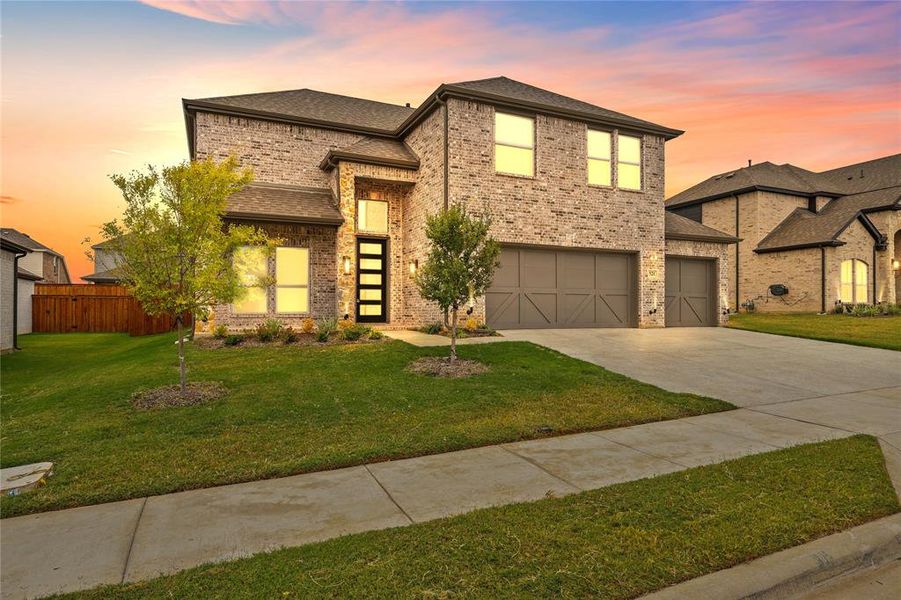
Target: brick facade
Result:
[7, 298]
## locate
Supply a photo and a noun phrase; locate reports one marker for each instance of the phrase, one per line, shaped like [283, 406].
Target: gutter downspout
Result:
[16, 258]
[443, 103]
[823, 279]
[875, 270]
[737, 245]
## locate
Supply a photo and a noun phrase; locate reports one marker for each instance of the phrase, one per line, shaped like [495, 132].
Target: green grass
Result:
[290, 410]
[876, 332]
[616, 542]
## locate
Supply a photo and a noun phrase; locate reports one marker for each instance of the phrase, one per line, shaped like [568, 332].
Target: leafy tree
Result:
[461, 262]
[175, 253]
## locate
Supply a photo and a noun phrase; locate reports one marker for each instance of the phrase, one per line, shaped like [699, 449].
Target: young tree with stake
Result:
[175, 254]
[460, 264]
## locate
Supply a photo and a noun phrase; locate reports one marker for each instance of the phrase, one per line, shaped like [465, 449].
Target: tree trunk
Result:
[183, 378]
[453, 355]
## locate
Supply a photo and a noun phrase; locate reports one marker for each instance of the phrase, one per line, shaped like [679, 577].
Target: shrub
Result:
[233, 339]
[220, 332]
[345, 324]
[375, 334]
[471, 324]
[269, 330]
[322, 336]
[308, 325]
[327, 326]
[354, 332]
[289, 335]
[433, 328]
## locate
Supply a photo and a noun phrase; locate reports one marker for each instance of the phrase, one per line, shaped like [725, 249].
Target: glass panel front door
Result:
[372, 289]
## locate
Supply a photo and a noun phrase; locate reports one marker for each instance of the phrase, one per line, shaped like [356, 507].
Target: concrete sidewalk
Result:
[138, 539]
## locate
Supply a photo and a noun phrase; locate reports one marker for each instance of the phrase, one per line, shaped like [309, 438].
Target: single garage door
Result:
[690, 292]
[536, 288]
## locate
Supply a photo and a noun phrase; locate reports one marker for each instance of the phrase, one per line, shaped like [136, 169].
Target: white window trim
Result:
[521, 147]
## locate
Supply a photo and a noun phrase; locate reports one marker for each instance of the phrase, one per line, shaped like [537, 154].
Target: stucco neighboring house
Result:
[828, 237]
[10, 255]
[105, 262]
[42, 264]
[575, 193]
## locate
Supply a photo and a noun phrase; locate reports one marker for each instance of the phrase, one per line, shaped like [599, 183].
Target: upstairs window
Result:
[628, 158]
[372, 216]
[600, 170]
[853, 282]
[251, 265]
[514, 144]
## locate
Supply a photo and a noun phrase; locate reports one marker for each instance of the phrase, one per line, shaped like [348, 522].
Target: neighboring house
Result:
[105, 262]
[575, 193]
[10, 254]
[828, 237]
[41, 264]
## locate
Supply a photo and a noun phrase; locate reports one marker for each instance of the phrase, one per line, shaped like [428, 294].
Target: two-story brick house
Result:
[575, 193]
[825, 237]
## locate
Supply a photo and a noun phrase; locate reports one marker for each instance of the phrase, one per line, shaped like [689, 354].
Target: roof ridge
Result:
[382, 102]
[857, 164]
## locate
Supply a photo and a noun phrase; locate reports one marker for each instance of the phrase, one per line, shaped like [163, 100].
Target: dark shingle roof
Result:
[804, 229]
[110, 276]
[509, 89]
[765, 175]
[17, 237]
[274, 202]
[678, 227]
[315, 106]
[869, 175]
[375, 151]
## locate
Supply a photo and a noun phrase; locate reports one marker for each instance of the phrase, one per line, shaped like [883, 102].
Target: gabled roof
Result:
[379, 151]
[764, 176]
[804, 229]
[369, 117]
[24, 240]
[678, 227]
[294, 204]
[869, 175]
[26, 274]
[109, 276]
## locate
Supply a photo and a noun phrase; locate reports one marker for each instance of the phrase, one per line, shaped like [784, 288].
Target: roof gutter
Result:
[331, 160]
[243, 216]
[830, 243]
[702, 238]
[752, 188]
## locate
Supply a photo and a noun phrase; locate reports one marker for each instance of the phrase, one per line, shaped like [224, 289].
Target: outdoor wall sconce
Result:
[896, 264]
[346, 260]
[414, 266]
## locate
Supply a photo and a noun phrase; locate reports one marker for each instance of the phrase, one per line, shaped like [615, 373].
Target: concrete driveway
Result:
[745, 368]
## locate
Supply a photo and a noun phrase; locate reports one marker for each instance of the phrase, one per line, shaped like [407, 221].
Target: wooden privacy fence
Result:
[90, 308]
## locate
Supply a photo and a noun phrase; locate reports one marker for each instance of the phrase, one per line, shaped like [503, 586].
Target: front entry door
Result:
[372, 284]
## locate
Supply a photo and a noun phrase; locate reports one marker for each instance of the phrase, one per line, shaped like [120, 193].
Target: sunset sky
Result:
[90, 89]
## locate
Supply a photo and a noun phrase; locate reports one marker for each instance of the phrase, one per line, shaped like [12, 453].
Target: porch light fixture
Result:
[346, 260]
[414, 266]
[896, 265]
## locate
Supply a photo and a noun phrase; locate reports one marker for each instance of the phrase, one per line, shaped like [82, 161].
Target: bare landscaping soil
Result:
[207, 342]
[441, 366]
[170, 395]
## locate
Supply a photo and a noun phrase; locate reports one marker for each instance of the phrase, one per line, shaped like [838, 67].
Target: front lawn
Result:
[66, 399]
[616, 542]
[877, 332]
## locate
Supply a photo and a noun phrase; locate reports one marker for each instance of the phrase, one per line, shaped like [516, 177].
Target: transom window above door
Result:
[372, 216]
[514, 144]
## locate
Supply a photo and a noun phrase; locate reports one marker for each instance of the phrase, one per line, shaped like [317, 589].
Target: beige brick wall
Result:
[557, 207]
[7, 297]
[719, 252]
[858, 245]
[321, 240]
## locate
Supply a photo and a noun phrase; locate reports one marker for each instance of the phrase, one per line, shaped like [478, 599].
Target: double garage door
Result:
[538, 288]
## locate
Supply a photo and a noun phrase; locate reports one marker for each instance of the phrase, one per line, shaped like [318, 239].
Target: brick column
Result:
[346, 242]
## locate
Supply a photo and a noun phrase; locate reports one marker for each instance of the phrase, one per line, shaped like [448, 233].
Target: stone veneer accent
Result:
[719, 252]
[320, 239]
[557, 207]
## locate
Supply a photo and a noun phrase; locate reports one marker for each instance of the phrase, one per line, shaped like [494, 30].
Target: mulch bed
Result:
[208, 342]
[441, 366]
[170, 395]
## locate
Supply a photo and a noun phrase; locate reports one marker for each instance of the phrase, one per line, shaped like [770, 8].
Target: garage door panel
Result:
[562, 288]
[691, 299]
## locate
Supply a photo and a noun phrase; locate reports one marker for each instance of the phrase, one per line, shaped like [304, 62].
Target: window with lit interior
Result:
[514, 144]
[292, 280]
[251, 266]
[599, 153]
[628, 159]
[853, 282]
[372, 216]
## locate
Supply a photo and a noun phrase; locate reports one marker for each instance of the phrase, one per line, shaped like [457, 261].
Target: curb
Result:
[799, 569]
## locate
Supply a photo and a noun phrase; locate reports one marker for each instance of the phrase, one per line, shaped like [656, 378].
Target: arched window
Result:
[853, 282]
